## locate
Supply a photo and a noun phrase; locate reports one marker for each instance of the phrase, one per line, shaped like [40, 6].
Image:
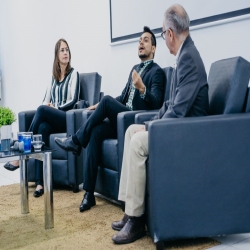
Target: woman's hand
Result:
[93, 107]
[51, 105]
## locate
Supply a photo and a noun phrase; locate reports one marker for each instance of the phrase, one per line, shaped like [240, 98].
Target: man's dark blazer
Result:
[153, 78]
[190, 88]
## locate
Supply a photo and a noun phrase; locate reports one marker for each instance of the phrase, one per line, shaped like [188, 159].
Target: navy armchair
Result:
[66, 168]
[198, 168]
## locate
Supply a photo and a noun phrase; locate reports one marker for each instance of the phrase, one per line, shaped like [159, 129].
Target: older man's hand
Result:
[143, 128]
[138, 82]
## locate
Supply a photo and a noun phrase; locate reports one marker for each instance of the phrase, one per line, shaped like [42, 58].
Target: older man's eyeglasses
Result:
[163, 34]
[62, 50]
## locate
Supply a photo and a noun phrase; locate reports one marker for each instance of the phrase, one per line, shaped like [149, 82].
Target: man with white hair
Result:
[188, 97]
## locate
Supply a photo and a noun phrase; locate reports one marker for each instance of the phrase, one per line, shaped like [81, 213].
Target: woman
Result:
[61, 95]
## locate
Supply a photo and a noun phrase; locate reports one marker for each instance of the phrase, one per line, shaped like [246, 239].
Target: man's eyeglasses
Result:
[163, 34]
[62, 50]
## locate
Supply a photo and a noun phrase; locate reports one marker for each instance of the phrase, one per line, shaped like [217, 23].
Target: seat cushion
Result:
[110, 154]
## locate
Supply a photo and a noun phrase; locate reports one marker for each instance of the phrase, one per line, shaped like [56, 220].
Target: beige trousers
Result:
[133, 173]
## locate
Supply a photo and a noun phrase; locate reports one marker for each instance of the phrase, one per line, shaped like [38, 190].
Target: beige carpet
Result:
[73, 230]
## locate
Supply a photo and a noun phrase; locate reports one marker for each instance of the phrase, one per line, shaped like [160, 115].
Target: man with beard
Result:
[143, 91]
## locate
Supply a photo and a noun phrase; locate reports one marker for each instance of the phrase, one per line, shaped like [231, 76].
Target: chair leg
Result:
[75, 189]
[160, 245]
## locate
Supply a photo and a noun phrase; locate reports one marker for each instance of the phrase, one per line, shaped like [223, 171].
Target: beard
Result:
[142, 56]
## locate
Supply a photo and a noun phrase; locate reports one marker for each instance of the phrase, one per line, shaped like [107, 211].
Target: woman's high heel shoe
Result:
[38, 193]
[10, 167]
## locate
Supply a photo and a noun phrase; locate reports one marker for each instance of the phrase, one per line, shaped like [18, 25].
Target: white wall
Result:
[151, 14]
[29, 30]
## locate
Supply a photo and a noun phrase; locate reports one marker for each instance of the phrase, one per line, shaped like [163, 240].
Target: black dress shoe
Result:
[10, 167]
[118, 225]
[69, 145]
[87, 202]
[133, 230]
[38, 193]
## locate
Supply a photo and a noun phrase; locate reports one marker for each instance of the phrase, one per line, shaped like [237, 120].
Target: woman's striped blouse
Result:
[63, 95]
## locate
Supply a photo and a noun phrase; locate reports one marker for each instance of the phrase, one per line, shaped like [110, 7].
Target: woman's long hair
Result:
[56, 65]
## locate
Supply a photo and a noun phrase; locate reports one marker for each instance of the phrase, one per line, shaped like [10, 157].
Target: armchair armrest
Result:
[124, 120]
[201, 164]
[24, 119]
[144, 117]
[86, 114]
[74, 120]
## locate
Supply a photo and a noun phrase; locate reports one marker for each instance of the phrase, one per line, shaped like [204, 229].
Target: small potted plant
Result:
[7, 117]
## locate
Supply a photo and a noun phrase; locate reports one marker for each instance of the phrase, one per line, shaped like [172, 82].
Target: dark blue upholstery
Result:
[110, 168]
[226, 89]
[66, 168]
[110, 148]
[198, 168]
[198, 177]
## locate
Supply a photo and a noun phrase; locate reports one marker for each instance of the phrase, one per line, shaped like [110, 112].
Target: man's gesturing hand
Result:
[138, 82]
[93, 107]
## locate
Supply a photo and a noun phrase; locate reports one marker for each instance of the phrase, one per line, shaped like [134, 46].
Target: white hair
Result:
[177, 19]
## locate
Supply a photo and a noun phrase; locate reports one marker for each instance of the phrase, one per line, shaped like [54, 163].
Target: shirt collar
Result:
[147, 62]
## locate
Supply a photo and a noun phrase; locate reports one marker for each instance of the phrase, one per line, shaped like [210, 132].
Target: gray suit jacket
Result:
[190, 88]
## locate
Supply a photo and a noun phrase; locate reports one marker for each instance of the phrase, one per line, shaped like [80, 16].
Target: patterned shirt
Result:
[132, 88]
[63, 95]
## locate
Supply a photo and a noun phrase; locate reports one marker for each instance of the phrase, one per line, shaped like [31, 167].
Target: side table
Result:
[44, 155]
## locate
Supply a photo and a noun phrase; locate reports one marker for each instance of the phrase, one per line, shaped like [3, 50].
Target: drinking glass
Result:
[37, 142]
[27, 143]
[20, 135]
